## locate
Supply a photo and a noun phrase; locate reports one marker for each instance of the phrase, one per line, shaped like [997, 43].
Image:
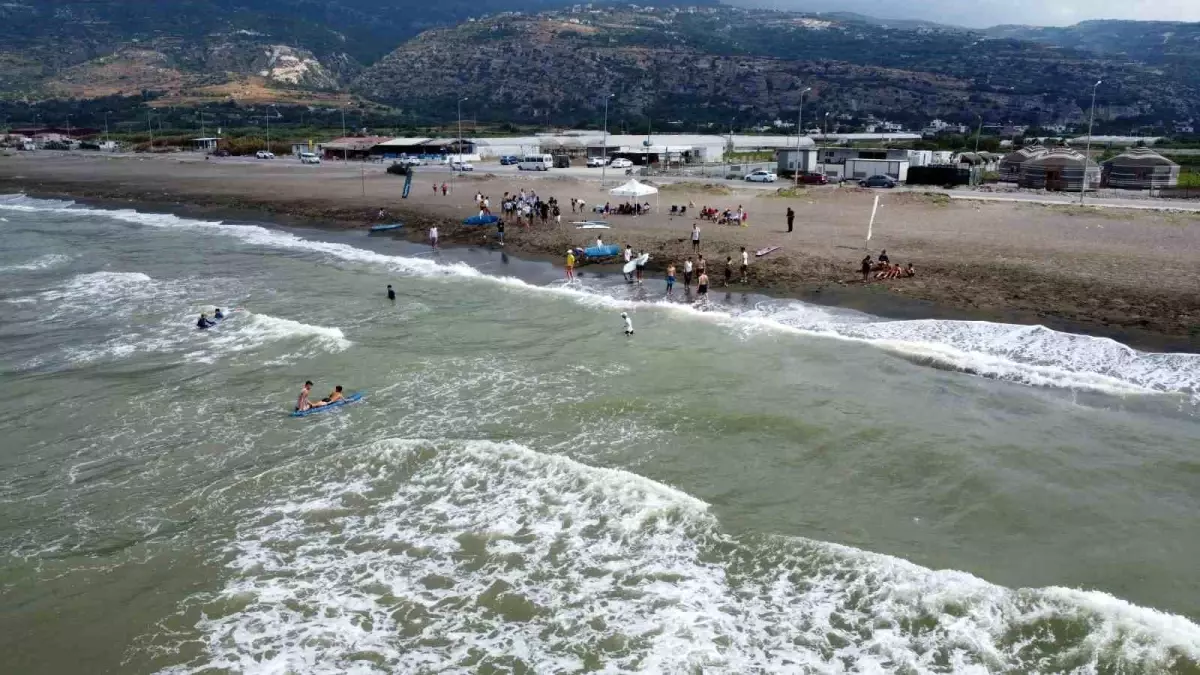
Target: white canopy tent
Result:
[636, 190]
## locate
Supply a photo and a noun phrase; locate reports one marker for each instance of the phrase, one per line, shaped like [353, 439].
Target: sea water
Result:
[751, 485]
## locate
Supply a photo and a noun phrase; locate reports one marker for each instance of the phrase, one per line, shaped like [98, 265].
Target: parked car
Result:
[595, 162]
[761, 176]
[509, 160]
[398, 169]
[461, 166]
[878, 181]
[408, 161]
[263, 154]
[621, 163]
[309, 158]
[813, 179]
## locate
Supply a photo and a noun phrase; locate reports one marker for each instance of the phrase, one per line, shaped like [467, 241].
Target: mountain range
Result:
[550, 62]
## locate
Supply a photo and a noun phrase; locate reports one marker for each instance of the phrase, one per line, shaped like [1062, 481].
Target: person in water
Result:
[628, 323]
[570, 265]
[670, 279]
[391, 293]
[205, 322]
[217, 316]
[702, 287]
[302, 403]
[333, 397]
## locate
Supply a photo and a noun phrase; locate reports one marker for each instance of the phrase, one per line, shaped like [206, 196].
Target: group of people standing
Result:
[528, 206]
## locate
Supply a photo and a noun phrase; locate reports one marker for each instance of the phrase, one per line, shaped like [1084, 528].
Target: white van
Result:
[536, 163]
[309, 158]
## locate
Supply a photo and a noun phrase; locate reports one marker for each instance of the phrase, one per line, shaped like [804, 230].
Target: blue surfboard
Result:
[385, 228]
[352, 398]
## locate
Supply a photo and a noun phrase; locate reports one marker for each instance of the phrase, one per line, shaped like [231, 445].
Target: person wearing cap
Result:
[628, 323]
[570, 265]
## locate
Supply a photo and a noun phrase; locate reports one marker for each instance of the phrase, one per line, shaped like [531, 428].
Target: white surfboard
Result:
[629, 267]
[592, 226]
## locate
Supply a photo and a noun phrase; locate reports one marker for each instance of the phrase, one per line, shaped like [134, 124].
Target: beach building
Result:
[1115, 141]
[1139, 168]
[352, 147]
[1060, 169]
[1010, 165]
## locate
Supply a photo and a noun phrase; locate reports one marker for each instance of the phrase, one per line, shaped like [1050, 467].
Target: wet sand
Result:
[1130, 275]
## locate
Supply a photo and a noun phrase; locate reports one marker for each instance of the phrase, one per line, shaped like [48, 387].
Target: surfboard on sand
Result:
[592, 226]
[763, 251]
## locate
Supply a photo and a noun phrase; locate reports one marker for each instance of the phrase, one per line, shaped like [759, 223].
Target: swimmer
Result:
[391, 294]
[205, 322]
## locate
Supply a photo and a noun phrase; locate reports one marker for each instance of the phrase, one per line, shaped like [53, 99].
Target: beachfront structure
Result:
[1060, 169]
[1114, 141]
[352, 147]
[789, 160]
[1139, 168]
[1010, 166]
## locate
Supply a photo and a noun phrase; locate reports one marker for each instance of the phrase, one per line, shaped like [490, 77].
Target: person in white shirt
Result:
[628, 323]
[695, 237]
[628, 258]
[745, 263]
[687, 273]
[433, 236]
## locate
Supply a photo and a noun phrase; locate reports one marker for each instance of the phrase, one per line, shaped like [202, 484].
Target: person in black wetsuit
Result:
[204, 322]
[217, 316]
[391, 293]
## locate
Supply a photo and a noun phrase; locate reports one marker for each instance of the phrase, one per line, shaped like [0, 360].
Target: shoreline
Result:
[940, 291]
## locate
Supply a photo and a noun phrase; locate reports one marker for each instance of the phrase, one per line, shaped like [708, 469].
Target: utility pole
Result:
[1087, 154]
[150, 125]
[604, 149]
[799, 130]
[453, 176]
[978, 133]
[345, 150]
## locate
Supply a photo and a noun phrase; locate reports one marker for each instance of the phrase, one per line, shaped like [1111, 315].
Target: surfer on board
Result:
[205, 322]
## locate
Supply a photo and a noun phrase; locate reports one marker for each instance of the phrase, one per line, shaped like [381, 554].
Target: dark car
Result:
[509, 159]
[813, 179]
[398, 169]
[878, 182]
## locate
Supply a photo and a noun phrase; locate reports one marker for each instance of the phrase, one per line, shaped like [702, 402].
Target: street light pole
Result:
[604, 148]
[1087, 154]
[458, 145]
[799, 127]
[978, 133]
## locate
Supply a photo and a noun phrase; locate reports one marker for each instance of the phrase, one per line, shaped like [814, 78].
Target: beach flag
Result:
[872, 223]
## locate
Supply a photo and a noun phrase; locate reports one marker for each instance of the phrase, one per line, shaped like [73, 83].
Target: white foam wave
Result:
[40, 263]
[1032, 355]
[244, 331]
[462, 555]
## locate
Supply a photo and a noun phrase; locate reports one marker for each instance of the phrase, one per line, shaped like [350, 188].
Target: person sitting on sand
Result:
[909, 271]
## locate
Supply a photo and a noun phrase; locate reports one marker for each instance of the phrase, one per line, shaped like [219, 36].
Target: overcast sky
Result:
[982, 13]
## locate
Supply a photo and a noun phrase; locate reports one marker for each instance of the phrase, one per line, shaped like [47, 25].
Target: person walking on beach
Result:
[445, 188]
[728, 269]
[433, 236]
[391, 293]
[702, 289]
[572, 205]
[628, 324]
[671, 279]
[687, 274]
[745, 264]
[696, 237]
[582, 206]
[570, 265]
[641, 265]
[628, 258]
[701, 266]
[791, 218]
[435, 187]
[500, 231]
[866, 267]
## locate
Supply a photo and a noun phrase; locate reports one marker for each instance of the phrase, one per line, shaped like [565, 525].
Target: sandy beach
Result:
[1105, 271]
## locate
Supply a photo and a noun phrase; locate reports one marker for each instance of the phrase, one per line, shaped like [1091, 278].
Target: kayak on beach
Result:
[602, 251]
[481, 220]
[352, 398]
[386, 228]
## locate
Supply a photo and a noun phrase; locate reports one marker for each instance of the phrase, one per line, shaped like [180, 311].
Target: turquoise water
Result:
[756, 486]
